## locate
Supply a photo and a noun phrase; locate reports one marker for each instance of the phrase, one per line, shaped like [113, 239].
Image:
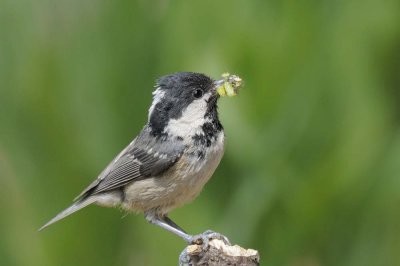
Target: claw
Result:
[204, 238]
[214, 235]
[201, 240]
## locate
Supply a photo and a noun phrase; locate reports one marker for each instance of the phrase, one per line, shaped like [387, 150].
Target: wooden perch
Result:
[217, 252]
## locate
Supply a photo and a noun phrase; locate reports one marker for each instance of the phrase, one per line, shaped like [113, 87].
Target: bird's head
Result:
[182, 103]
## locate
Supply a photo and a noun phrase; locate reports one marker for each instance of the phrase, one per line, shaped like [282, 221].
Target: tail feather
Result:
[70, 210]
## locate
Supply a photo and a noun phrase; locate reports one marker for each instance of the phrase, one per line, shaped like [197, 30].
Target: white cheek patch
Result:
[158, 95]
[189, 124]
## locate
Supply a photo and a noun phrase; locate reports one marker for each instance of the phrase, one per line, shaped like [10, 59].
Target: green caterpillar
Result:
[230, 85]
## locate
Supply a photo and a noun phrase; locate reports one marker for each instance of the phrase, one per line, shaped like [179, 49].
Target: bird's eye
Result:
[198, 93]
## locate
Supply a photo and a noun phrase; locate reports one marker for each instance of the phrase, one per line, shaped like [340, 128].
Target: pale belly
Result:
[176, 187]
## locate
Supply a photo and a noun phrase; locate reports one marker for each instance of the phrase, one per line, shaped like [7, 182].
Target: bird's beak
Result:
[217, 85]
[219, 82]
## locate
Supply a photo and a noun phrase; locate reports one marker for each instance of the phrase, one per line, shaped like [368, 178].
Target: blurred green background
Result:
[311, 174]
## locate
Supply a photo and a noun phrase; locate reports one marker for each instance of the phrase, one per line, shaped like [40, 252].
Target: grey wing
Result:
[132, 164]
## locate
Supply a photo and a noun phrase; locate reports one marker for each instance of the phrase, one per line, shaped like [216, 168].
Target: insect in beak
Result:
[228, 85]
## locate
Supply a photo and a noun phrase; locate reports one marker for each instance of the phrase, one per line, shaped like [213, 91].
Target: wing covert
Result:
[135, 162]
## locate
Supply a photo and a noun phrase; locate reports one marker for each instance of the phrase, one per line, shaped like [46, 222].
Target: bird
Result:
[171, 159]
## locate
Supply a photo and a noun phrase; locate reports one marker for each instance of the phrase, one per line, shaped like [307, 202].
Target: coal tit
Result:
[171, 159]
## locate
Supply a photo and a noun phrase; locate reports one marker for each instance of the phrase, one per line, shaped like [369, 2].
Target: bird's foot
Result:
[204, 238]
[200, 244]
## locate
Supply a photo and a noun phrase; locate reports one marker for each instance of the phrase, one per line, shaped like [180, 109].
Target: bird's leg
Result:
[171, 223]
[168, 224]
